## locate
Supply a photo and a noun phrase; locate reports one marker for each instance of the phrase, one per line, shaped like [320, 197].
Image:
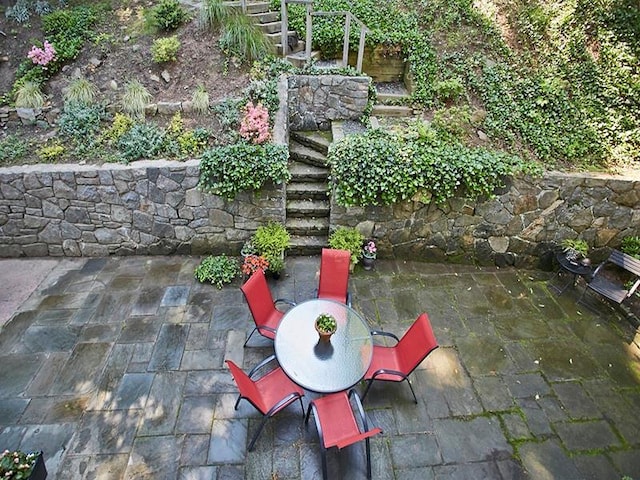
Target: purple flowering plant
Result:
[370, 250]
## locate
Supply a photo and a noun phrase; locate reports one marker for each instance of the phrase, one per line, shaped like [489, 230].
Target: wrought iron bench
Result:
[619, 291]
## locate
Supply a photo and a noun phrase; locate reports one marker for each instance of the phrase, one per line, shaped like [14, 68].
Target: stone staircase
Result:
[308, 192]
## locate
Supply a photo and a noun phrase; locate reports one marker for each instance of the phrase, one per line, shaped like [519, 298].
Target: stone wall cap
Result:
[75, 167]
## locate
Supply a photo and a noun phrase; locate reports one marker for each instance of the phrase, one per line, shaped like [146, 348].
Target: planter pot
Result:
[368, 262]
[39, 471]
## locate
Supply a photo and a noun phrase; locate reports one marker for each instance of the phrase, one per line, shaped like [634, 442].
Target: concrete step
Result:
[306, 227]
[316, 140]
[275, 38]
[392, 111]
[307, 155]
[265, 17]
[299, 59]
[308, 208]
[307, 191]
[391, 92]
[302, 172]
[252, 7]
[307, 245]
[297, 48]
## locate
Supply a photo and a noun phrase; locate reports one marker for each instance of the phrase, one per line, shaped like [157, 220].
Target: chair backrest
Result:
[256, 292]
[414, 346]
[334, 274]
[246, 386]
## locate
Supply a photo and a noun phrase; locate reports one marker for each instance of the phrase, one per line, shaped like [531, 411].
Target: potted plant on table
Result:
[326, 326]
[369, 254]
[350, 239]
[575, 250]
[18, 465]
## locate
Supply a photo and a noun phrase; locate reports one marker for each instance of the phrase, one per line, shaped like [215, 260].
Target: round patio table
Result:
[323, 367]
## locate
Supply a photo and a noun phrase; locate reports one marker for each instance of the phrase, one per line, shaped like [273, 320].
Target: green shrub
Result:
[12, 148]
[193, 142]
[165, 49]
[81, 90]
[51, 153]
[68, 30]
[383, 168]
[80, 122]
[141, 141]
[217, 270]
[120, 125]
[448, 90]
[231, 169]
[349, 239]
[168, 15]
[271, 240]
[135, 99]
[631, 246]
[29, 95]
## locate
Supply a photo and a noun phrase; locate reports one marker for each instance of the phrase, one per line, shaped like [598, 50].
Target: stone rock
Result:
[113, 85]
[71, 248]
[482, 136]
[499, 244]
[95, 62]
[154, 78]
[165, 76]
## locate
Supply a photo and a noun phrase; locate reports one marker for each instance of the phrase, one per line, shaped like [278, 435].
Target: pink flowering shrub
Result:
[255, 124]
[41, 56]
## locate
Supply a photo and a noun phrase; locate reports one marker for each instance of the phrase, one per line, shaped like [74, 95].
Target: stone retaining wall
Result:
[519, 227]
[315, 101]
[152, 207]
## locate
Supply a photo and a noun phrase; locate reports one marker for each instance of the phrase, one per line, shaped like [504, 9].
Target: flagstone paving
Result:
[115, 369]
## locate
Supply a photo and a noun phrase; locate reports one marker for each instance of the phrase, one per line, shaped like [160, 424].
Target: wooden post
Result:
[309, 35]
[243, 4]
[345, 45]
[363, 32]
[284, 34]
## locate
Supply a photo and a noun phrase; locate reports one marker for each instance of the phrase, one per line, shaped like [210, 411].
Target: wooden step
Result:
[307, 191]
[392, 111]
[307, 155]
[307, 245]
[252, 7]
[302, 172]
[271, 27]
[297, 48]
[318, 226]
[308, 208]
[316, 140]
[264, 17]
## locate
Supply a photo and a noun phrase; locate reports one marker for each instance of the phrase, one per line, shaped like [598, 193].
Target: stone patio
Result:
[114, 368]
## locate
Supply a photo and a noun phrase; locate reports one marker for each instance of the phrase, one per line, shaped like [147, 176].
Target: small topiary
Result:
[168, 15]
[165, 49]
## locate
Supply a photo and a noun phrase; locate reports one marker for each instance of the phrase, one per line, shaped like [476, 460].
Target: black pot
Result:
[39, 471]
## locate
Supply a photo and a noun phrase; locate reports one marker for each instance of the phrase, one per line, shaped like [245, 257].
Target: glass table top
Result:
[318, 366]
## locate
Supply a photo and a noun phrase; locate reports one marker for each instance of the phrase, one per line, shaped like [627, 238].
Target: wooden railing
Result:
[349, 18]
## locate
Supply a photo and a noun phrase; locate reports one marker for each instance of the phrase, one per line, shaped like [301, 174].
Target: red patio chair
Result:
[395, 364]
[334, 275]
[262, 305]
[269, 394]
[337, 425]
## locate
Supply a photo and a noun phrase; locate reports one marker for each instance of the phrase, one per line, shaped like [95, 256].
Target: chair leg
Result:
[301, 406]
[412, 392]
[368, 449]
[238, 402]
[366, 390]
[249, 337]
[257, 434]
[323, 454]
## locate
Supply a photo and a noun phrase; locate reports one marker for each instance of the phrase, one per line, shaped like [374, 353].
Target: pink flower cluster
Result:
[41, 56]
[255, 124]
[370, 249]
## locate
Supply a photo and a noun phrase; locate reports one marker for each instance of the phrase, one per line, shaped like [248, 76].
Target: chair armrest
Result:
[283, 403]
[291, 303]
[633, 289]
[261, 364]
[348, 299]
[597, 270]
[385, 334]
[386, 371]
